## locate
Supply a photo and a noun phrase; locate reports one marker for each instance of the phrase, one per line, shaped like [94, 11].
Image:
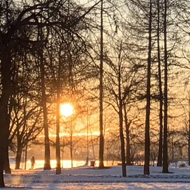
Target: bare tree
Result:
[101, 146]
[18, 19]
[160, 88]
[42, 73]
[147, 122]
[165, 147]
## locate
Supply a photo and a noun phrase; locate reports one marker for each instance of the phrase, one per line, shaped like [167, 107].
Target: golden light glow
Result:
[66, 109]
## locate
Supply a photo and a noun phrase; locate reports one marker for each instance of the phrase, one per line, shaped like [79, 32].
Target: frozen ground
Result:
[105, 186]
[99, 179]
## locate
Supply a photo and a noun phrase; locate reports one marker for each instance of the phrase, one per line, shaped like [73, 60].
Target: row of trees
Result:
[52, 51]
[41, 42]
[157, 26]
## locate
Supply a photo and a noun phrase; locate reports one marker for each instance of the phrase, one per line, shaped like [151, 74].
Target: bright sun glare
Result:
[66, 109]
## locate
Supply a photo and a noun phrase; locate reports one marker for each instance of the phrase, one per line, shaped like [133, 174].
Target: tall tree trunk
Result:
[165, 148]
[160, 88]
[58, 156]
[124, 172]
[128, 148]
[5, 95]
[101, 144]
[147, 122]
[47, 165]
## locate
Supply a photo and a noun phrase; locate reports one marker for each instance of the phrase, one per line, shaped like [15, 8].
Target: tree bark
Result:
[5, 95]
[165, 148]
[25, 157]
[18, 158]
[124, 172]
[128, 148]
[2, 184]
[19, 151]
[6, 163]
[47, 165]
[101, 144]
[160, 89]
[58, 156]
[147, 122]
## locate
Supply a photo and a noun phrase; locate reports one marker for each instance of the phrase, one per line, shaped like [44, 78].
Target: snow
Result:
[89, 178]
[106, 186]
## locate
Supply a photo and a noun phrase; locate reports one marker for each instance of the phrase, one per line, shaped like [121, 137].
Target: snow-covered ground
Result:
[105, 186]
[88, 178]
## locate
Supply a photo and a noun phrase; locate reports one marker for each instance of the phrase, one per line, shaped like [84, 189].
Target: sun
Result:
[66, 109]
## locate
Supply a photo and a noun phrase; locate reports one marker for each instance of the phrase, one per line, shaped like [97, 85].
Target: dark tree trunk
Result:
[2, 184]
[3, 138]
[160, 89]
[47, 165]
[6, 163]
[25, 157]
[128, 148]
[101, 144]
[124, 172]
[147, 122]
[45, 114]
[165, 148]
[5, 95]
[18, 159]
[18, 153]
[58, 156]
